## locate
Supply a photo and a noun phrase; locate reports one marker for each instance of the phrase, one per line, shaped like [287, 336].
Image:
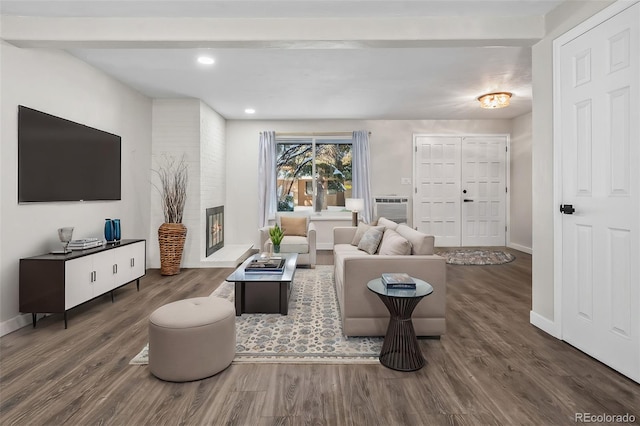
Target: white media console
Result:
[55, 283]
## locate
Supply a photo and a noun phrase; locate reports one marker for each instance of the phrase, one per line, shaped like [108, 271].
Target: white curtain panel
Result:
[361, 188]
[267, 177]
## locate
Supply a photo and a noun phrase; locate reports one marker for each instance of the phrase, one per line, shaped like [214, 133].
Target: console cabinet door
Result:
[130, 261]
[78, 278]
[105, 272]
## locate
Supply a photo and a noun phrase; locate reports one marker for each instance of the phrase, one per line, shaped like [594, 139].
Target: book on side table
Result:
[398, 280]
[273, 265]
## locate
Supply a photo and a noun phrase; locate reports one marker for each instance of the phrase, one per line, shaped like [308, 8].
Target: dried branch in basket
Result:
[173, 175]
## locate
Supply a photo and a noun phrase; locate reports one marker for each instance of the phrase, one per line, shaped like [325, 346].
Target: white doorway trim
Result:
[555, 327]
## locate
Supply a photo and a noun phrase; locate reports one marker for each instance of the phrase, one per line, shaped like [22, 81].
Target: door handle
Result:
[466, 200]
[567, 209]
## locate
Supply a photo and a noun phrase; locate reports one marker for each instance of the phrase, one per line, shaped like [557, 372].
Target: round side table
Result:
[400, 350]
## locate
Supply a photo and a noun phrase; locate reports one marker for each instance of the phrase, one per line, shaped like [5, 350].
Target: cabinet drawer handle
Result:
[115, 268]
[133, 262]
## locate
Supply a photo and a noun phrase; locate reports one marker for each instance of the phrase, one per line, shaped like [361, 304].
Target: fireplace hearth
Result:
[215, 229]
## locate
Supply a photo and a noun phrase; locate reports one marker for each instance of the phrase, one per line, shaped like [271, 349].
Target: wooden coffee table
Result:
[264, 293]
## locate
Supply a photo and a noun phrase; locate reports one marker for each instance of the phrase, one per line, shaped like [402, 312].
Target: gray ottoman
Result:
[192, 339]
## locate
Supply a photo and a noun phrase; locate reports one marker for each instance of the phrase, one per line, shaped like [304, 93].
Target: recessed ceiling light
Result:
[250, 111]
[206, 60]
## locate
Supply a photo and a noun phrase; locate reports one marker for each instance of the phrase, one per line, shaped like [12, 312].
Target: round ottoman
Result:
[192, 339]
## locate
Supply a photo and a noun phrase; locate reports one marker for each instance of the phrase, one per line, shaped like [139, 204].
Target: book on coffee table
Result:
[265, 266]
[398, 280]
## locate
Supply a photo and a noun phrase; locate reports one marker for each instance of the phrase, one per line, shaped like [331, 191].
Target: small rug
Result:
[476, 256]
[310, 333]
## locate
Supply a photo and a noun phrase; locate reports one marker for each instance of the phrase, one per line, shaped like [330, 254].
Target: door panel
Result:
[483, 171]
[437, 202]
[599, 95]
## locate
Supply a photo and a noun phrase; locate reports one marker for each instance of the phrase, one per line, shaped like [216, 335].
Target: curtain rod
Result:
[315, 133]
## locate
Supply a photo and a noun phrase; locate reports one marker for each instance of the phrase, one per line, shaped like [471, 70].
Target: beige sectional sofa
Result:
[363, 313]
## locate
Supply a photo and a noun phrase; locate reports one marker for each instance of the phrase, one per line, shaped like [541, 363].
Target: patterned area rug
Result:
[310, 333]
[476, 256]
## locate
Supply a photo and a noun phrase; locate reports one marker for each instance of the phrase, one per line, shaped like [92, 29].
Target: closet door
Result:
[599, 96]
[437, 194]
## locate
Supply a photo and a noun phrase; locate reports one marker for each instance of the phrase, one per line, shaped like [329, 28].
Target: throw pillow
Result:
[389, 224]
[362, 228]
[394, 244]
[371, 239]
[294, 225]
[420, 243]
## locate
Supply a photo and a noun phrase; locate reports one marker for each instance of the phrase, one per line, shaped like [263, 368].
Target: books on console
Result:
[274, 265]
[398, 280]
[85, 243]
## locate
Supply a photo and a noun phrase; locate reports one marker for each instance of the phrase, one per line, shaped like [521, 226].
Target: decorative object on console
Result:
[64, 234]
[86, 243]
[116, 230]
[276, 236]
[355, 205]
[109, 230]
[173, 176]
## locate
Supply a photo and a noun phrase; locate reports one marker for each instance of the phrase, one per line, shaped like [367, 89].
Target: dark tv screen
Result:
[60, 160]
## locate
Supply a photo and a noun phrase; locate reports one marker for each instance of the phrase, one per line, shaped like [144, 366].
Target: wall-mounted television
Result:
[60, 160]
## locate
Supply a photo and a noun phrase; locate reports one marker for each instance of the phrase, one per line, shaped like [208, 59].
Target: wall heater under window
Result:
[391, 207]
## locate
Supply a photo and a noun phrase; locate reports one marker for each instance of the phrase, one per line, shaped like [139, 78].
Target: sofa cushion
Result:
[393, 244]
[362, 228]
[371, 239]
[389, 224]
[294, 225]
[421, 243]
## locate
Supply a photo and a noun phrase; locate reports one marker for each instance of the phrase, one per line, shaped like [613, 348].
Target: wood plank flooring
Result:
[492, 367]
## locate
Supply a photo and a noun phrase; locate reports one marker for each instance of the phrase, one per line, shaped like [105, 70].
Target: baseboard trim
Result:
[520, 248]
[544, 324]
[15, 323]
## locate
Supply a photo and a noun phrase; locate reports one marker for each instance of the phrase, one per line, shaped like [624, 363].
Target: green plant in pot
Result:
[276, 236]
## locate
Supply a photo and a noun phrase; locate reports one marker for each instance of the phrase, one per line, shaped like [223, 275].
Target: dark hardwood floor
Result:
[492, 367]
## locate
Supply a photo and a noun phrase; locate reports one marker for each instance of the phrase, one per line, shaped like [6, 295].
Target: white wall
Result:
[391, 144]
[191, 128]
[559, 21]
[520, 235]
[59, 84]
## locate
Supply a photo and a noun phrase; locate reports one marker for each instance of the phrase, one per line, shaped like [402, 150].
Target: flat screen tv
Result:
[59, 160]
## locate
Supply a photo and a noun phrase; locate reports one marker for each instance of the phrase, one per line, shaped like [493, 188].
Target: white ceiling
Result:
[321, 81]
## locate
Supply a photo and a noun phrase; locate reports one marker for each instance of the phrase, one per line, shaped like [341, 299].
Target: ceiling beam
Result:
[282, 33]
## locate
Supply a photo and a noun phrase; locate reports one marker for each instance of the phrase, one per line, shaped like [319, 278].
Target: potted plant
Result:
[173, 177]
[276, 236]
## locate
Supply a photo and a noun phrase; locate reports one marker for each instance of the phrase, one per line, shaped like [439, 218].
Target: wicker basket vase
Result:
[171, 237]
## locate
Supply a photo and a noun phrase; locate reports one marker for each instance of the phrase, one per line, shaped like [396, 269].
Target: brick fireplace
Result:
[215, 229]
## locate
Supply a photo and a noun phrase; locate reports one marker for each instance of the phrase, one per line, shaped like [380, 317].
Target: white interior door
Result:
[483, 190]
[437, 198]
[599, 137]
[451, 169]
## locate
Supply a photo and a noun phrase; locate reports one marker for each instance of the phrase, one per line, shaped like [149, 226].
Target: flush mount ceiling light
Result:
[495, 100]
[249, 111]
[205, 60]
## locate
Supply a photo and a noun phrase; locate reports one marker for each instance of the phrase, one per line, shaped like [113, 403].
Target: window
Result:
[313, 173]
